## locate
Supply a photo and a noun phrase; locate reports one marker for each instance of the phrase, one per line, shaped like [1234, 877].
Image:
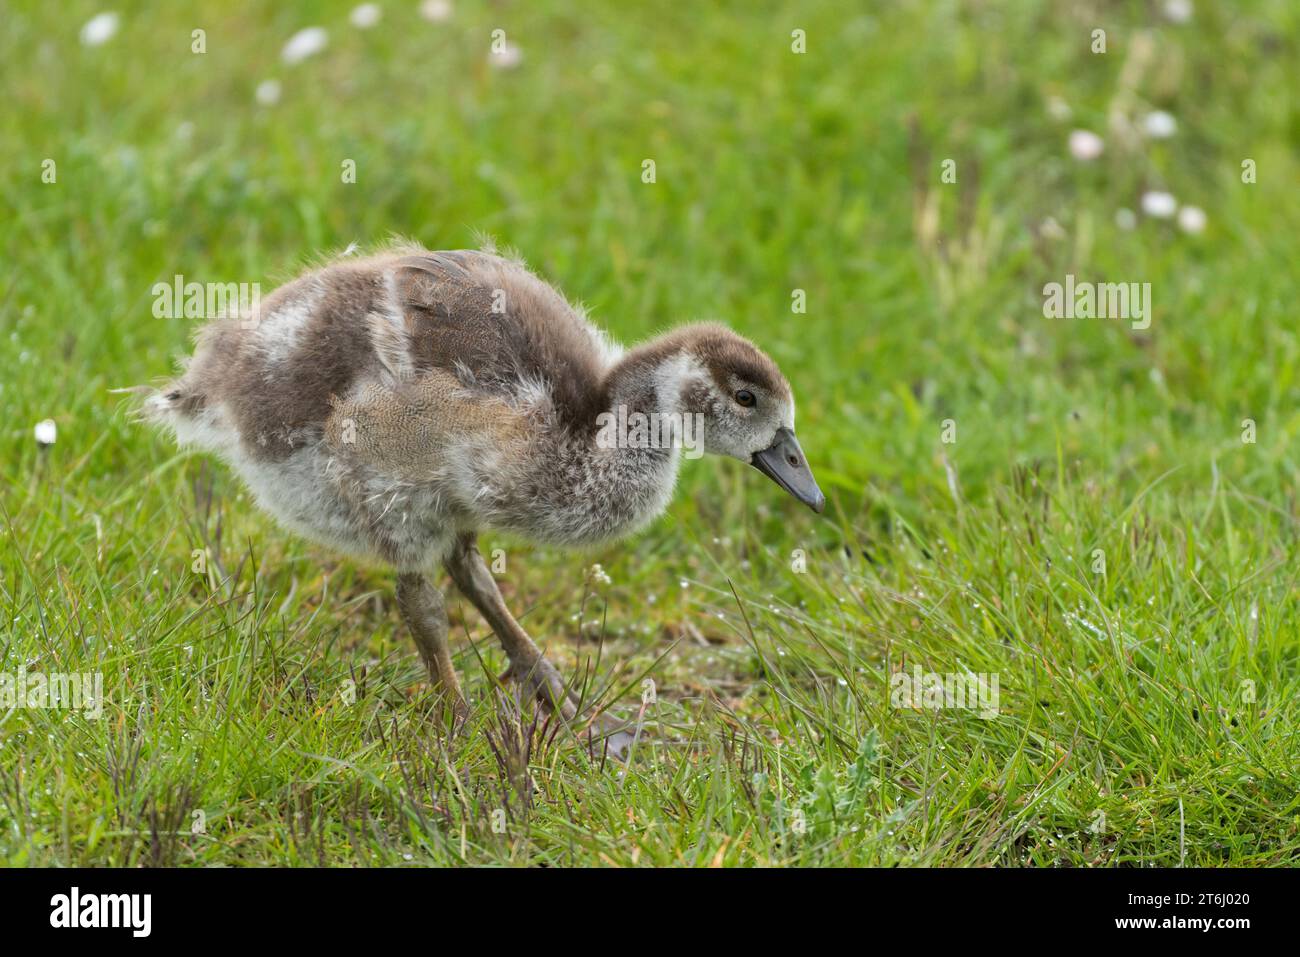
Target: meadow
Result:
[1101, 517]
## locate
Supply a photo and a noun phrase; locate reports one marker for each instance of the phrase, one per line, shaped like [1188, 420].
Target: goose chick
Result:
[392, 407]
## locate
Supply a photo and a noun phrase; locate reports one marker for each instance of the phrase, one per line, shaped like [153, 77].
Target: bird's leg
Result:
[527, 664]
[426, 615]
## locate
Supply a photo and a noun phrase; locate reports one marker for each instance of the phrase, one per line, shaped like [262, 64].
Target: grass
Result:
[1099, 536]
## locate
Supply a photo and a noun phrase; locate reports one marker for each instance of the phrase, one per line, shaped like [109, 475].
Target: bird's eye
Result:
[746, 398]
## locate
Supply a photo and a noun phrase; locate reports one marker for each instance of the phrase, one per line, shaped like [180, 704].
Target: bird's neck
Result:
[652, 378]
[646, 413]
[609, 483]
[639, 434]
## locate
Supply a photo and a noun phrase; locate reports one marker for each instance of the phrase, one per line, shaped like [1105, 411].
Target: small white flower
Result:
[1058, 109]
[306, 42]
[1085, 145]
[598, 575]
[1159, 125]
[1159, 204]
[1178, 11]
[268, 92]
[99, 29]
[507, 58]
[1126, 219]
[436, 11]
[365, 16]
[1191, 219]
[1051, 229]
[46, 432]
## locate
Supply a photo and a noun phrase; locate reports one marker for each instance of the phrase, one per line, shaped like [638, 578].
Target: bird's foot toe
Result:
[540, 680]
[611, 736]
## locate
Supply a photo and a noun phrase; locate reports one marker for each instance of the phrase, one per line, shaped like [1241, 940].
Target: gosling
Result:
[393, 406]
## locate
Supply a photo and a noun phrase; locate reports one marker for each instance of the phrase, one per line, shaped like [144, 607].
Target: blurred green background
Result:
[776, 171]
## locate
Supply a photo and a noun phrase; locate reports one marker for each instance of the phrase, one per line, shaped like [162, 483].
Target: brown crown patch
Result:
[727, 354]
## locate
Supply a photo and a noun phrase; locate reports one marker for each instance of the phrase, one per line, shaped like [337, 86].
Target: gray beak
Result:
[784, 463]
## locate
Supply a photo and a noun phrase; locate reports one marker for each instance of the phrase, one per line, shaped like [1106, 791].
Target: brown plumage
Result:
[392, 406]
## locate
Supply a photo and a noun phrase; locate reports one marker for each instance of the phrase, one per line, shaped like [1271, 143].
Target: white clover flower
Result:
[1086, 145]
[436, 11]
[507, 58]
[99, 29]
[1159, 204]
[306, 42]
[365, 16]
[1191, 219]
[1159, 125]
[46, 432]
[1051, 229]
[1178, 11]
[268, 92]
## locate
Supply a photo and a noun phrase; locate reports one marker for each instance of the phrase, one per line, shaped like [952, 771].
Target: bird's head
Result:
[743, 403]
